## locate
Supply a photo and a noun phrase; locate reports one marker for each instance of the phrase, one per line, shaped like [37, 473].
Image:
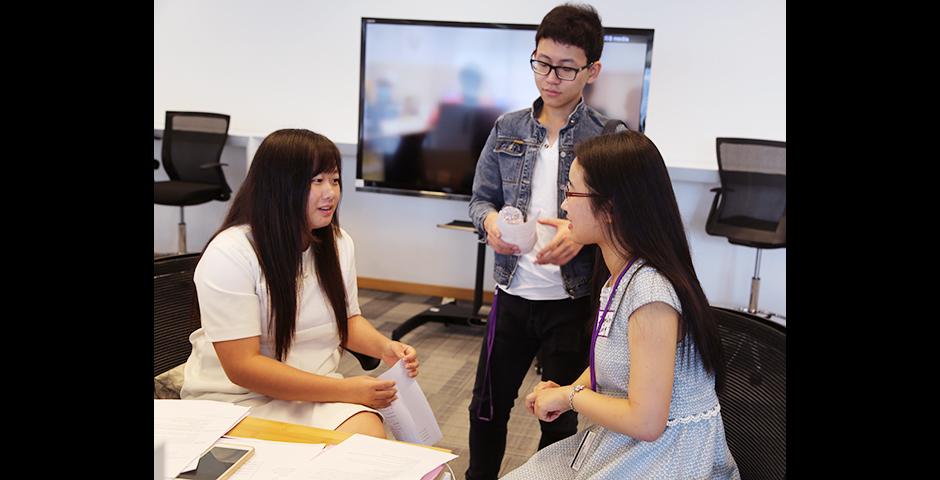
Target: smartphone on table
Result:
[219, 463]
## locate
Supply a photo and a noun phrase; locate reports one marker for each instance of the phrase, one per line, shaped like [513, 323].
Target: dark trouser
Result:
[560, 328]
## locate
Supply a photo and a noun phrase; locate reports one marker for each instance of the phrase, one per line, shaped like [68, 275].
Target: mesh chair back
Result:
[750, 208]
[191, 141]
[173, 319]
[754, 396]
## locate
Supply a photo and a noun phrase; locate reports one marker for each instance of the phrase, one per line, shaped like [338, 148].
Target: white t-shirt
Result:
[233, 303]
[532, 281]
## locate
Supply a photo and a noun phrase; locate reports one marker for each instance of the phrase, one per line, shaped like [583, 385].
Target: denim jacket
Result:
[504, 177]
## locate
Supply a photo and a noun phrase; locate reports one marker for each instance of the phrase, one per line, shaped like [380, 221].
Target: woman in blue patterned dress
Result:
[649, 391]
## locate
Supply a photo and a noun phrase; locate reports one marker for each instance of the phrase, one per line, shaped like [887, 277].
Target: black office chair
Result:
[754, 395]
[750, 207]
[173, 319]
[156, 163]
[191, 149]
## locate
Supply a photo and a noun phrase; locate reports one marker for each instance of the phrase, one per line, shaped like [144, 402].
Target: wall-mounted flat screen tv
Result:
[429, 93]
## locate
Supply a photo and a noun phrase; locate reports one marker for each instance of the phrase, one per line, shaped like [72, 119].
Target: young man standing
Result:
[542, 300]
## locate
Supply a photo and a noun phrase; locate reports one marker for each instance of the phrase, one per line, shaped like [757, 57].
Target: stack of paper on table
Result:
[274, 460]
[188, 429]
[361, 457]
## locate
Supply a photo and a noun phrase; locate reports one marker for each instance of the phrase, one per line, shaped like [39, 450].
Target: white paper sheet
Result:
[361, 457]
[273, 460]
[410, 417]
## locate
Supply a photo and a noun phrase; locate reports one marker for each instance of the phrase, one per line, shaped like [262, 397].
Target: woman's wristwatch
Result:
[576, 389]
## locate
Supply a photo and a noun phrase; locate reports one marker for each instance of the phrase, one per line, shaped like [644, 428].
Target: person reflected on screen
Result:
[471, 86]
[378, 112]
[470, 94]
[649, 390]
[278, 301]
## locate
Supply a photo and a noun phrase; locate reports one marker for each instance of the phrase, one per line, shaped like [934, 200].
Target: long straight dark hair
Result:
[627, 172]
[273, 202]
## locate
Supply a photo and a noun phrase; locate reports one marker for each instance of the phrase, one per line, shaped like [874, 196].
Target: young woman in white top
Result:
[278, 300]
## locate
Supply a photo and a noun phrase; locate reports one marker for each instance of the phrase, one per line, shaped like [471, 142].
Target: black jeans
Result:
[561, 329]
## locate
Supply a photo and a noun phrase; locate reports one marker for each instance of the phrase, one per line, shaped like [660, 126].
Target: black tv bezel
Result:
[377, 186]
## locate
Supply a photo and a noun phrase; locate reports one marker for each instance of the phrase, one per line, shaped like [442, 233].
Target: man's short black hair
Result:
[576, 25]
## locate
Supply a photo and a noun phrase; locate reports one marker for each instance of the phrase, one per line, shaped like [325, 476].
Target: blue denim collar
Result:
[539, 103]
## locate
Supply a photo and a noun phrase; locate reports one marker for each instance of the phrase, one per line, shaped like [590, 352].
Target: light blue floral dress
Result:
[693, 444]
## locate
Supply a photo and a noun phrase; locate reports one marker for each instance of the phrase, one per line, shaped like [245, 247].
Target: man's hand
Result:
[493, 236]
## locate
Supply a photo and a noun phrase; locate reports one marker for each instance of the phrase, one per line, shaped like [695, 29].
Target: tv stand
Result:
[454, 311]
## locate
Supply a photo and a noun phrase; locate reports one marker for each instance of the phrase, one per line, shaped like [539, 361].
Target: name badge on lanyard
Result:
[583, 450]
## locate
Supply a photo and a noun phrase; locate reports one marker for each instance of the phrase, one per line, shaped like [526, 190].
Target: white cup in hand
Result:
[515, 231]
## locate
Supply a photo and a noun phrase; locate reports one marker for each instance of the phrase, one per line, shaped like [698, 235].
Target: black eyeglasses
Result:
[569, 194]
[563, 73]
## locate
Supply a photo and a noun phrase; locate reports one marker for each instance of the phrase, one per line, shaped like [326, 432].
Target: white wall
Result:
[719, 69]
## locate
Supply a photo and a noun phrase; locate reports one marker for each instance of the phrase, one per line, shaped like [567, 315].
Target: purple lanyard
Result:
[602, 316]
[486, 390]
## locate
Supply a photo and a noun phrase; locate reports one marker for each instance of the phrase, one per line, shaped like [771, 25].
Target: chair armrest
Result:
[367, 362]
[211, 165]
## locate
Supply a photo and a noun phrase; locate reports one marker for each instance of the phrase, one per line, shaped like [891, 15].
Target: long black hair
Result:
[628, 174]
[273, 202]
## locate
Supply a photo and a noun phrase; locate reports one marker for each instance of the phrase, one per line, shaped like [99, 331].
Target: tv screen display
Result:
[429, 93]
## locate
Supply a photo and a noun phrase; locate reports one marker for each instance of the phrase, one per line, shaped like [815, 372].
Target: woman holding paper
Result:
[649, 388]
[278, 300]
